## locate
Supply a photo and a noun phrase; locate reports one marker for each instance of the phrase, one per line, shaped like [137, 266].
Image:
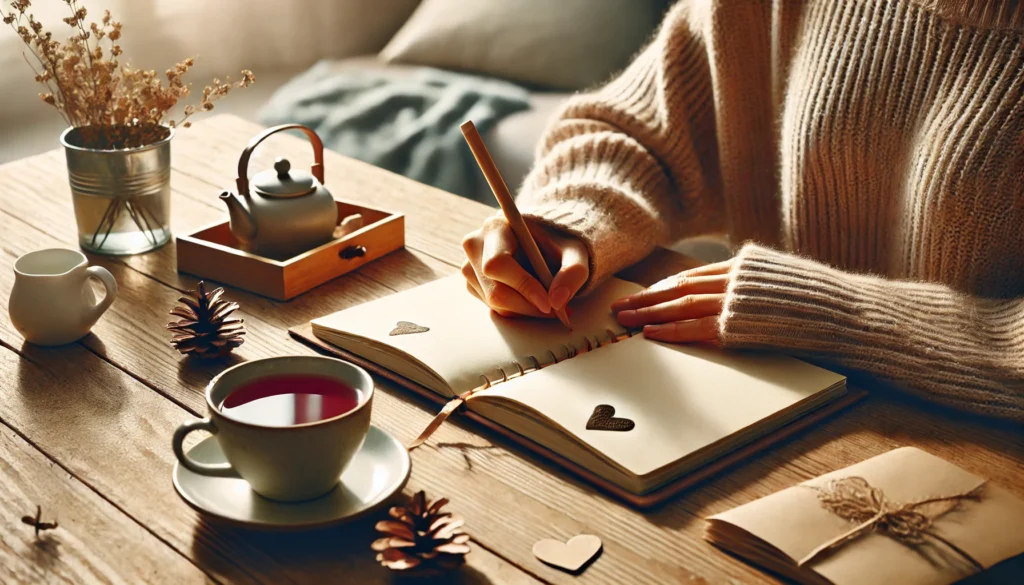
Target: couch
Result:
[511, 142]
[551, 48]
[550, 79]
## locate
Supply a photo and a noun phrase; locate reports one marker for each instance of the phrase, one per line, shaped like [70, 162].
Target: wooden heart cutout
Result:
[604, 419]
[570, 556]
[407, 328]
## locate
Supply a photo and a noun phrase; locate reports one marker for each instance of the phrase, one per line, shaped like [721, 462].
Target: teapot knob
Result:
[282, 166]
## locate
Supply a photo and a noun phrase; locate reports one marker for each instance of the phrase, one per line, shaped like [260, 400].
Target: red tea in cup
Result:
[289, 399]
[287, 425]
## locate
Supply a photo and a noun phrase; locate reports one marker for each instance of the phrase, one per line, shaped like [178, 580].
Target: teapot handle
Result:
[243, 162]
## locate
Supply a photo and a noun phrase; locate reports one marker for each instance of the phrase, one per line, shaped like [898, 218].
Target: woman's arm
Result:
[963, 351]
[956, 349]
[634, 164]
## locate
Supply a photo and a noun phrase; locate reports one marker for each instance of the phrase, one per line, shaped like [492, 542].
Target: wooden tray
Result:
[214, 254]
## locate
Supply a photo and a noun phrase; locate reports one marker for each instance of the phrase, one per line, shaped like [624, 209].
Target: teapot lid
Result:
[282, 181]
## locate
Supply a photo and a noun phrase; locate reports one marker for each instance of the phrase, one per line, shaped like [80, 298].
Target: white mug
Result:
[52, 302]
[284, 463]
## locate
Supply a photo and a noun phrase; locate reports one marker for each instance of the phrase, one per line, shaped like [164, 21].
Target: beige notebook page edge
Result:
[793, 521]
[681, 398]
[467, 341]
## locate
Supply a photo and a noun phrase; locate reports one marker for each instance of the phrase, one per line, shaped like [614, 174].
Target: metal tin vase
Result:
[122, 198]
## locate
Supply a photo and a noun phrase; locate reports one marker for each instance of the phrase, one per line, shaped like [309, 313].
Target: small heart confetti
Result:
[569, 556]
[407, 328]
[604, 419]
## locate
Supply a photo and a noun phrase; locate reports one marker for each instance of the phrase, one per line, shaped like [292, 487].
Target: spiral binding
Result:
[458, 403]
[571, 351]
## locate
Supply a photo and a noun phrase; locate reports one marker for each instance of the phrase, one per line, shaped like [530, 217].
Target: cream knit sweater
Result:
[873, 150]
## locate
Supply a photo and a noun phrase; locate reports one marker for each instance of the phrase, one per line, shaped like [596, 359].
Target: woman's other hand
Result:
[495, 270]
[683, 308]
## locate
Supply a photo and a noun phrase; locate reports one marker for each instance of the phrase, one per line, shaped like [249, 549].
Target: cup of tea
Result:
[287, 425]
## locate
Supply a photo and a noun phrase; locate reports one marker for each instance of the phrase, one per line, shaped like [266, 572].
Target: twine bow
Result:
[853, 499]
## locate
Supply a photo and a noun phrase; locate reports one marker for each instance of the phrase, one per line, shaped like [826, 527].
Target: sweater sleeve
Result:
[927, 339]
[635, 163]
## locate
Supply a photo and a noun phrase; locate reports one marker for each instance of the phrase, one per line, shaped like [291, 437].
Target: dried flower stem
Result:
[136, 210]
[84, 48]
[116, 106]
[37, 522]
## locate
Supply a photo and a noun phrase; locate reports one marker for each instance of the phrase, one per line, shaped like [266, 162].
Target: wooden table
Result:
[85, 429]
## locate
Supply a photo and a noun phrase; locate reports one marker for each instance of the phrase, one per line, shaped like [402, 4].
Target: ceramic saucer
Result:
[379, 469]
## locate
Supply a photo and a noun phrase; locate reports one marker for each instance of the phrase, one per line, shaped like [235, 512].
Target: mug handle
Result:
[104, 276]
[217, 470]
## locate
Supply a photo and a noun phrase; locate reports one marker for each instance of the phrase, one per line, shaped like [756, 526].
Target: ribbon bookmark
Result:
[455, 403]
[443, 415]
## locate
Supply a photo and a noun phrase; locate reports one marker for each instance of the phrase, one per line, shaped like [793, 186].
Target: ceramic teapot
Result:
[283, 212]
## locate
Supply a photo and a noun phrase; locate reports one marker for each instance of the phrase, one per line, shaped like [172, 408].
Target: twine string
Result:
[855, 500]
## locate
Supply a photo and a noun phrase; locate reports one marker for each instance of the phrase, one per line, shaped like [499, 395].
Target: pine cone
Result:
[205, 330]
[421, 539]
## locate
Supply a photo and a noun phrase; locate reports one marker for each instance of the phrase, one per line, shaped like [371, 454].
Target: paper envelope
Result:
[779, 530]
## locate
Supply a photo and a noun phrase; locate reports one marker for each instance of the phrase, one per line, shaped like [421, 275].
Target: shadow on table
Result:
[51, 380]
[342, 553]
[197, 373]
[45, 552]
[883, 421]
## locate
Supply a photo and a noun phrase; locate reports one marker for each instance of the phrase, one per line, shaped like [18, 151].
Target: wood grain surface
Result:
[92, 420]
[96, 542]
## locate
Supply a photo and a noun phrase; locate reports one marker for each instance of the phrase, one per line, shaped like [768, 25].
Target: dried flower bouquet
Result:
[113, 106]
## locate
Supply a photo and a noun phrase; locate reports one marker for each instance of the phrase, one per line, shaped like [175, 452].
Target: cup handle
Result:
[217, 470]
[104, 276]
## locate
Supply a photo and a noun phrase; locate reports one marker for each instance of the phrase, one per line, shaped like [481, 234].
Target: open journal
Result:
[684, 405]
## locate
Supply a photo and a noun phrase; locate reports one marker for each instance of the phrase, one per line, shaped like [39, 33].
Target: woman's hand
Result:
[495, 270]
[682, 308]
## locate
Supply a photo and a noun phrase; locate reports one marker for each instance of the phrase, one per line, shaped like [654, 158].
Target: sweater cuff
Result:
[613, 240]
[582, 220]
[783, 301]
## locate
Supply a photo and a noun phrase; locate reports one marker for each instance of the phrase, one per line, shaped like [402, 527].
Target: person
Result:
[868, 156]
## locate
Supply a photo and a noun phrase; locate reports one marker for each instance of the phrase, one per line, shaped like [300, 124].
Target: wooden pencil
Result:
[508, 207]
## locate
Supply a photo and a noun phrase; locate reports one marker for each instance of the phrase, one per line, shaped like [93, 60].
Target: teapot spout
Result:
[242, 225]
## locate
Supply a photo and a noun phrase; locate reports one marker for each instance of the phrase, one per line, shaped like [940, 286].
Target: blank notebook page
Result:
[466, 340]
[682, 398]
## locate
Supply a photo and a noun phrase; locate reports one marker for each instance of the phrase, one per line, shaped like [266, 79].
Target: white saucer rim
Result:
[371, 508]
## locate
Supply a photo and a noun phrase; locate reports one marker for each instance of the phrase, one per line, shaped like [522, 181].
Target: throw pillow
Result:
[563, 44]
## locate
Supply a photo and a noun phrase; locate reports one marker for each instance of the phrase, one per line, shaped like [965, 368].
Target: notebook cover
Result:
[304, 333]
